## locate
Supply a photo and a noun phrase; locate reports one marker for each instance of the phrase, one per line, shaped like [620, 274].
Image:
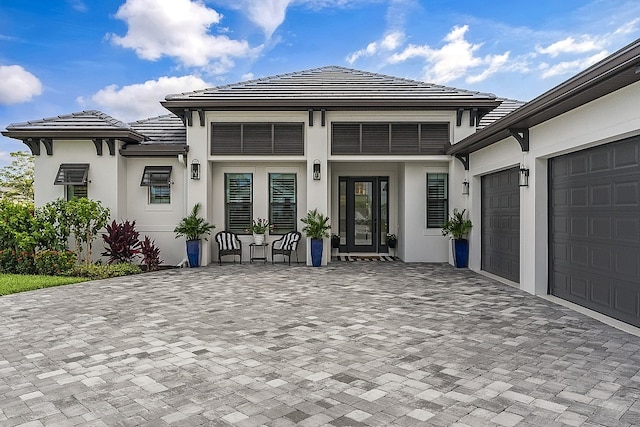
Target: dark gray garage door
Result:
[594, 229]
[501, 224]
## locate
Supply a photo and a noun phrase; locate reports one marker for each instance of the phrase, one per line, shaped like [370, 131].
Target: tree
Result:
[86, 217]
[16, 179]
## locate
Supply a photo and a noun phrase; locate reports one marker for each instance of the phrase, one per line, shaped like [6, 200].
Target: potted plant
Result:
[192, 227]
[392, 240]
[335, 241]
[457, 226]
[258, 228]
[316, 227]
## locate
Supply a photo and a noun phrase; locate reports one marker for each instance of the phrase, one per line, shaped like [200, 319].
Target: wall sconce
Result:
[465, 187]
[195, 169]
[316, 170]
[524, 176]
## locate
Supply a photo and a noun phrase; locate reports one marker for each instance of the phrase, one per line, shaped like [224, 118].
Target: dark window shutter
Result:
[404, 138]
[375, 138]
[288, 138]
[226, 138]
[434, 138]
[437, 199]
[282, 202]
[257, 138]
[238, 201]
[345, 138]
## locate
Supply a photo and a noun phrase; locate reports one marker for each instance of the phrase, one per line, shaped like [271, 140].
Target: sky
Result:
[124, 56]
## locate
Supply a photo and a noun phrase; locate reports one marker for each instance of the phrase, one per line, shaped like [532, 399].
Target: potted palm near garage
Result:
[193, 227]
[316, 227]
[458, 227]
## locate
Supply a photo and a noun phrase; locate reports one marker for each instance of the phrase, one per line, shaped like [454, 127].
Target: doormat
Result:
[384, 258]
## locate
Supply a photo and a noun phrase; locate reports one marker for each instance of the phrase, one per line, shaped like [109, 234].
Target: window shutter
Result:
[257, 139]
[288, 138]
[345, 138]
[404, 138]
[282, 202]
[156, 175]
[437, 203]
[72, 174]
[375, 138]
[239, 201]
[434, 138]
[226, 138]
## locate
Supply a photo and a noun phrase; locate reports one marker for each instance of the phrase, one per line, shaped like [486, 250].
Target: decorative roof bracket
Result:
[464, 159]
[459, 114]
[322, 117]
[98, 143]
[310, 117]
[473, 117]
[111, 144]
[188, 117]
[48, 145]
[522, 136]
[201, 115]
[33, 144]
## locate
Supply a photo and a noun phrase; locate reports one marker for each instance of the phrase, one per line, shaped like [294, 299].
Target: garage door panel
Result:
[594, 236]
[500, 224]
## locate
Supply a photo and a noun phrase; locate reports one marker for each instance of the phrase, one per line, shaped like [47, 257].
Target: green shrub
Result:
[99, 271]
[12, 262]
[54, 263]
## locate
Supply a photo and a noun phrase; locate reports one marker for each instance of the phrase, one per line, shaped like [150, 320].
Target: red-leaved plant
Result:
[122, 242]
[150, 254]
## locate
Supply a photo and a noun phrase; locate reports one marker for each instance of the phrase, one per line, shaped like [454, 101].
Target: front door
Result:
[364, 214]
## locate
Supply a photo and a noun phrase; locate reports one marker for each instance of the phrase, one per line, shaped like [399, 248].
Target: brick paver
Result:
[351, 344]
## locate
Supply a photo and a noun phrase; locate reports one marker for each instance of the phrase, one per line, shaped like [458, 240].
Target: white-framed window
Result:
[437, 199]
[283, 205]
[158, 181]
[238, 202]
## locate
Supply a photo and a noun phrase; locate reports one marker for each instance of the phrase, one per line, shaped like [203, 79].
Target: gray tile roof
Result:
[88, 124]
[331, 86]
[166, 129]
[507, 106]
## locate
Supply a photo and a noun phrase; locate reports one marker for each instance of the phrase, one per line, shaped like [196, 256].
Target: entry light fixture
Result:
[524, 176]
[465, 187]
[316, 170]
[195, 169]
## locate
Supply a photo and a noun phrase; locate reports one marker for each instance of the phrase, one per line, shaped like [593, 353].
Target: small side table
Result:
[252, 249]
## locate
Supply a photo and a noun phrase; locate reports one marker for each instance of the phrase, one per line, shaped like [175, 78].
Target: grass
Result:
[14, 283]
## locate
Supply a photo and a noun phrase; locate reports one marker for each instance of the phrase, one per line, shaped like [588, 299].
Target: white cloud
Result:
[583, 44]
[178, 29]
[247, 76]
[390, 42]
[17, 85]
[78, 5]
[575, 66]
[141, 100]
[453, 60]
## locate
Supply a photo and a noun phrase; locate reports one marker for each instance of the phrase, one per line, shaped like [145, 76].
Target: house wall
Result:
[607, 119]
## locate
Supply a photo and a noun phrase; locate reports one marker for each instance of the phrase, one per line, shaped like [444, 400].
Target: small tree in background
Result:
[16, 179]
[86, 218]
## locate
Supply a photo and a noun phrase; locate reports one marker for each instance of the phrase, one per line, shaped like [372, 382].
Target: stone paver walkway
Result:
[352, 344]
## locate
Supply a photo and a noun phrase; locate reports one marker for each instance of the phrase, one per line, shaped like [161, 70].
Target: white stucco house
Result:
[552, 186]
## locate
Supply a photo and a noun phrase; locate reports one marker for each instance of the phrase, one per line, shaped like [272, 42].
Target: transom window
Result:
[238, 201]
[282, 202]
[437, 199]
[257, 138]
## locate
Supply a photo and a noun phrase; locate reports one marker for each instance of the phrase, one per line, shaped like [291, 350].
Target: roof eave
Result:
[617, 71]
[154, 150]
[125, 135]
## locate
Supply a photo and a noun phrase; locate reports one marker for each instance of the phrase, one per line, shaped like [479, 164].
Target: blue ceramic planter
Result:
[461, 253]
[193, 252]
[316, 252]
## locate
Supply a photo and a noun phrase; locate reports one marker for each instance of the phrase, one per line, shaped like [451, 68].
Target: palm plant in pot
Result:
[317, 228]
[193, 227]
[458, 227]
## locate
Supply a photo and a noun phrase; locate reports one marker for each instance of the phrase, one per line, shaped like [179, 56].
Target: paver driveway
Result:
[352, 344]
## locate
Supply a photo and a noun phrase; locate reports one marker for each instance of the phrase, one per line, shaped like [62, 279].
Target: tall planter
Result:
[316, 252]
[193, 252]
[461, 253]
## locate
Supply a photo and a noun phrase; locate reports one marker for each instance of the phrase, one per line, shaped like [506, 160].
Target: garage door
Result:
[594, 209]
[500, 253]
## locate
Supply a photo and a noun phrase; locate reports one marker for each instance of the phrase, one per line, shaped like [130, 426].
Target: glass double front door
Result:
[364, 214]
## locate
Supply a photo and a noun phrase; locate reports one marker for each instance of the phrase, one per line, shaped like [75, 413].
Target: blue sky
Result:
[123, 56]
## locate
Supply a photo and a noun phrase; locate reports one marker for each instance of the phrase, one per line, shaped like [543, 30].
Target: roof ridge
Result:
[96, 113]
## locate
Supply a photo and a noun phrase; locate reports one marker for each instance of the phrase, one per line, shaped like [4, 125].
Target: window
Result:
[238, 189]
[437, 199]
[257, 138]
[74, 176]
[282, 202]
[158, 180]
